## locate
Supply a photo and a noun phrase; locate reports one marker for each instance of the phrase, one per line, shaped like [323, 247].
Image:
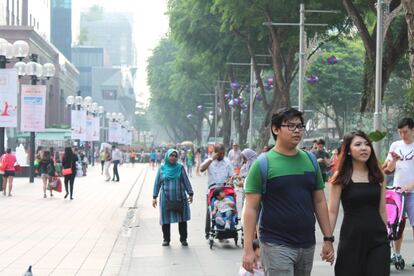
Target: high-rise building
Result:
[61, 26]
[27, 13]
[85, 58]
[112, 31]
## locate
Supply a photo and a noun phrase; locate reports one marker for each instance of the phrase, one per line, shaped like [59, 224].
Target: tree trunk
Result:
[408, 6]
[225, 116]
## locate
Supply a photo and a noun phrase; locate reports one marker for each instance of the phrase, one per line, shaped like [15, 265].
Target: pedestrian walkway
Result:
[63, 237]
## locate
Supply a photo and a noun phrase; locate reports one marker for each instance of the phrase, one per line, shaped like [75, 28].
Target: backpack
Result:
[263, 163]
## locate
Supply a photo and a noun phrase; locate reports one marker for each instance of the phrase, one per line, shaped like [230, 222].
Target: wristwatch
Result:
[331, 239]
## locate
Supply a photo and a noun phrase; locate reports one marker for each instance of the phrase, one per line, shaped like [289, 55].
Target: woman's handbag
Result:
[67, 171]
[2, 166]
[174, 205]
[17, 168]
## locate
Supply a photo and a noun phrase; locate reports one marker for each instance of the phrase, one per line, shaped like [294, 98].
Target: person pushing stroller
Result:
[223, 209]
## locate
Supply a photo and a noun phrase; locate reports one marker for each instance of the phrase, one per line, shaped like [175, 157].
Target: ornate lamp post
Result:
[35, 72]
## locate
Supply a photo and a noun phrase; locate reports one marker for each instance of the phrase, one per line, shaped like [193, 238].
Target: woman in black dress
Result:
[69, 161]
[363, 248]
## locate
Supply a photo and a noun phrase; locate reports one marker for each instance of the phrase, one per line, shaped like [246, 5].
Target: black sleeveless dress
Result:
[363, 249]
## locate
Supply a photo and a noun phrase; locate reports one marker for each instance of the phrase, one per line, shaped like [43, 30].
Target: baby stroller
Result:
[394, 202]
[216, 231]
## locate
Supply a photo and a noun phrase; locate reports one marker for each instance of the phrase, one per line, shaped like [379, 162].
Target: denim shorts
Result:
[281, 260]
[409, 207]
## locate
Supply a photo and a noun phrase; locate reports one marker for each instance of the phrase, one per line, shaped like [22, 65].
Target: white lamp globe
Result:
[78, 100]
[70, 100]
[88, 101]
[101, 109]
[39, 70]
[8, 50]
[49, 70]
[21, 49]
[20, 67]
[95, 107]
[108, 115]
[31, 68]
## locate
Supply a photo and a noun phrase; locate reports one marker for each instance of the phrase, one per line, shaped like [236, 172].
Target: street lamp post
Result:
[378, 74]
[35, 71]
[252, 95]
[302, 57]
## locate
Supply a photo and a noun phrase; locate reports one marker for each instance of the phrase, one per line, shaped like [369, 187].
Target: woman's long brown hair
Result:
[344, 166]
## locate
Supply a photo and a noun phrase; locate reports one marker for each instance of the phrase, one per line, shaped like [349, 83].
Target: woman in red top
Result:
[9, 160]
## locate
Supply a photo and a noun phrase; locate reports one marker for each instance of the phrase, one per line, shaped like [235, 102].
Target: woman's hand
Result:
[154, 203]
[190, 199]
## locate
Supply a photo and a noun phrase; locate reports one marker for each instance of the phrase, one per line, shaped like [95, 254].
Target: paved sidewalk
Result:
[145, 255]
[63, 237]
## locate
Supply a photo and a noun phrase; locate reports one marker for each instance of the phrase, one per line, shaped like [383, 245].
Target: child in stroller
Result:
[216, 226]
[223, 209]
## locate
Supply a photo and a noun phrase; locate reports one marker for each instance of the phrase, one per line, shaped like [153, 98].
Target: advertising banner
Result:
[8, 97]
[114, 132]
[92, 128]
[33, 114]
[78, 125]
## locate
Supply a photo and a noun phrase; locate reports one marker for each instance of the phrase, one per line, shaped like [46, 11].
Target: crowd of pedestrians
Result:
[284, 185]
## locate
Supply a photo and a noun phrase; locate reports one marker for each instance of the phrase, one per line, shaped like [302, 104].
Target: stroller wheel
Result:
[211, 243]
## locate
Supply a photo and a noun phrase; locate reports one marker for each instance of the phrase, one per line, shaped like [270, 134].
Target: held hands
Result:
[249, 260]
[154, 203]
[190, 199]
[328, 253]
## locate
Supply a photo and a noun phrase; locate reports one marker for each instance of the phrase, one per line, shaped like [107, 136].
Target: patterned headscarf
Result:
[250, 155]
[171, 171]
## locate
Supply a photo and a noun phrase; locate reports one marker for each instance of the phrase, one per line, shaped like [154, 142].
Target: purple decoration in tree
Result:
[269, 82]
[241, 100]
[236, 101]
[199, 108]
[235, 85]
[231, 103]
[227, 96]
[189, 116]
[332, 60]
[259, 97]
[312, 79]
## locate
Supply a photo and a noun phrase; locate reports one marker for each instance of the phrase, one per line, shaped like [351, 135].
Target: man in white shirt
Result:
[235, 156]
[400, 160]
[220, 172]
[116, 159]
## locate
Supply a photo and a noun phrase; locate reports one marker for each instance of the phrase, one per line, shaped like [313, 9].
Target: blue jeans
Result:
[223, 217]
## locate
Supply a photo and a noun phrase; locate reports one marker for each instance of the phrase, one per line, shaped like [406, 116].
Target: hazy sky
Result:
[150, 25]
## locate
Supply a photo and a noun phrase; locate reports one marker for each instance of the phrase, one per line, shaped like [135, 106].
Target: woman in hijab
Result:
[172, 185]
[248, 156]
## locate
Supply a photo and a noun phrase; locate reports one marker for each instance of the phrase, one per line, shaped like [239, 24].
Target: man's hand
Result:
[395, 156]
[215, 156]
[328, 253]
[249, 260]
[190, 199]
[154, 203]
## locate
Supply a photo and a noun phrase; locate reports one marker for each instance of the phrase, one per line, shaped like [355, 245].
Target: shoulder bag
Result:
[172, 205]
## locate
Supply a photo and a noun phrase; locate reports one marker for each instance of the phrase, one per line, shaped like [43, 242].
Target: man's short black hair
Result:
[320, 142]
[406, 122]
[284, 114]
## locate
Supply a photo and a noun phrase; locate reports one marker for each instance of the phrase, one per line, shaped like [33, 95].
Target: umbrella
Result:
[187, 143]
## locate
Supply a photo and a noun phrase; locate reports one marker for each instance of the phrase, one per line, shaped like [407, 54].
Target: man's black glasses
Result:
[293, 127]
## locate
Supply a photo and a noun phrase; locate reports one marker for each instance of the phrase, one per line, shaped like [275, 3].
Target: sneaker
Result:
[227, 225]
[184, 243]
[393, 258]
